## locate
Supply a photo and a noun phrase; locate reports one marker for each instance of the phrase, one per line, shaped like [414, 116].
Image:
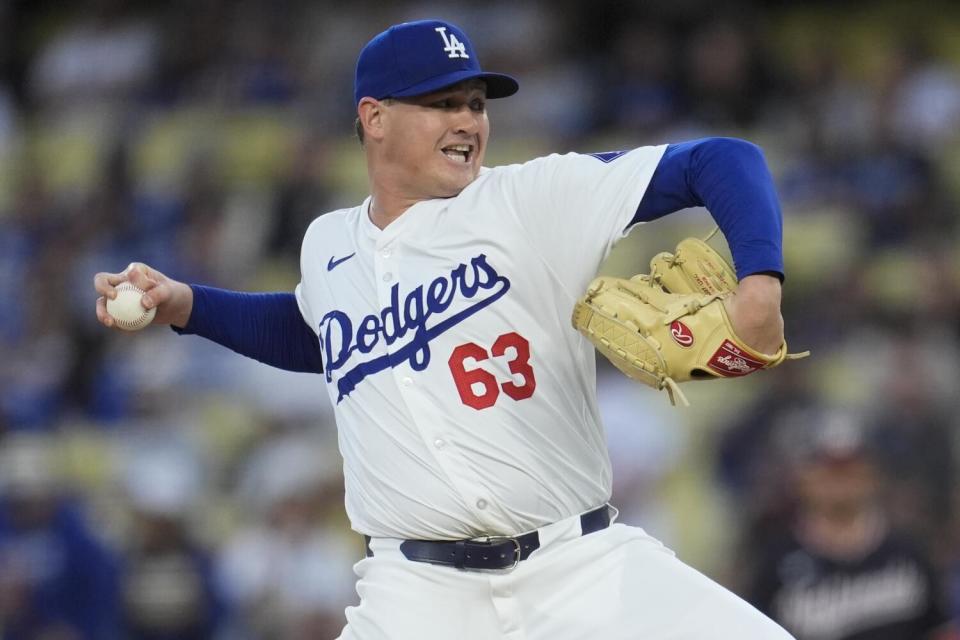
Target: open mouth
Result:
[459, 152]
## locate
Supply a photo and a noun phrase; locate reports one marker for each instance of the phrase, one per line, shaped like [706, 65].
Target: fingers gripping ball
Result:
[127, 312]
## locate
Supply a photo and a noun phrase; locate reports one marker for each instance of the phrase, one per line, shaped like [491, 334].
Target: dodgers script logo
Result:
[340, 339]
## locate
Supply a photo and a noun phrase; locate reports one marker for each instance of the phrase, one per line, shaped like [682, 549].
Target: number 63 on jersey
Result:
[480, 389]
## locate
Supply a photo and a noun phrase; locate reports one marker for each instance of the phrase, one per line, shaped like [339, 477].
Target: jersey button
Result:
[387, 277]
[407, 382]
[385, 253]
[481, 504]
[439, 443]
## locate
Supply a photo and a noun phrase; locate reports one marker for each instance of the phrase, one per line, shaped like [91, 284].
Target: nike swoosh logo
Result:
[333, 263]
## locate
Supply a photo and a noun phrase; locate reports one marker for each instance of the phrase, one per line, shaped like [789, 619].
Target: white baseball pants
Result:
[617, 583]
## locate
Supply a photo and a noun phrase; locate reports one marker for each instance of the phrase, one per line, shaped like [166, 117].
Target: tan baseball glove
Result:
[670, 326]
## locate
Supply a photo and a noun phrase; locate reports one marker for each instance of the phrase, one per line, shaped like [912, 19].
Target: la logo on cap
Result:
[451, 44]
[408, 60]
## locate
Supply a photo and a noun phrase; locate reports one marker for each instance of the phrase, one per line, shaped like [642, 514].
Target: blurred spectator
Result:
[723, 74]
[638, 86]
[751, 457]
[8, 120]
[57, 580]
[262, 56]
[26, 224]
[301, 196]
[168, 588]
[287, 573]
[913, 432]
[840, 572]
[104, 57]
[924, 107]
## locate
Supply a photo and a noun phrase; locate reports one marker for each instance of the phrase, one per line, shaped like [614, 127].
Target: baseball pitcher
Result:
[453, 317]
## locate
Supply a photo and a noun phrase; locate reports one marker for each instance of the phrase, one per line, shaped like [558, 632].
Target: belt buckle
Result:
[516, 548]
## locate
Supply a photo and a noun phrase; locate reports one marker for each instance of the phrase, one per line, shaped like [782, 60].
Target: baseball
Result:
[126, 310]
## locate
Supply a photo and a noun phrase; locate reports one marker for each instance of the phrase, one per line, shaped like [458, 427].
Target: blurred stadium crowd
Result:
[157, 487]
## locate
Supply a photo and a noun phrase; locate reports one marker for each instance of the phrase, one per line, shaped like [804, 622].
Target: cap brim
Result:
[499, 85]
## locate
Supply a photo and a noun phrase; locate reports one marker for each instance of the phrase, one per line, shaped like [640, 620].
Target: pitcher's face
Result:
[433, 145]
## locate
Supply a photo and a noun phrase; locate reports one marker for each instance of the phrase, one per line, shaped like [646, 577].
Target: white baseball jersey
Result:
[465, 400]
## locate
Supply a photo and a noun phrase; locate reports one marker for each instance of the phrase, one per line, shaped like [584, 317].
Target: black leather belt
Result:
[496, 552]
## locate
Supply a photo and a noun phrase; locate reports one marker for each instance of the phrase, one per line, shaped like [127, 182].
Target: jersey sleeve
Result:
[574, 207]
[304, 306]
[301, 291]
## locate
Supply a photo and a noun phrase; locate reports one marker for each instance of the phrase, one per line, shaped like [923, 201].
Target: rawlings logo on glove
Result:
[670, 326]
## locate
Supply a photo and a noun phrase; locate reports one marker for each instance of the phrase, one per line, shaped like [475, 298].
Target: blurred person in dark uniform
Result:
[302, 192]
[57, 580]
[841, 572]
[914, 435]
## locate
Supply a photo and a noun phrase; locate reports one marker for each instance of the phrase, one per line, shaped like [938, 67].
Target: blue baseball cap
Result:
[414, 58]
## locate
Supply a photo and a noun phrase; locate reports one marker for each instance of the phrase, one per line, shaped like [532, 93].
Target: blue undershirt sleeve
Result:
[731, 179]
[264, 326]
